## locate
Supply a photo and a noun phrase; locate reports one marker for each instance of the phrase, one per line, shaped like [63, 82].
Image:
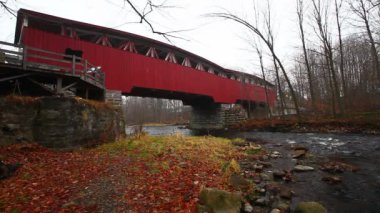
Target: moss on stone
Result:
[219, 201]
[310, 207]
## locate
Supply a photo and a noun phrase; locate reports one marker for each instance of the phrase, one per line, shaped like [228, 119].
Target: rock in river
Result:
[275, 211]
[302, 168]
[310, 207]
[248, 207]
[332, 179]
[275, 154]
[298, 153]
[286, 193]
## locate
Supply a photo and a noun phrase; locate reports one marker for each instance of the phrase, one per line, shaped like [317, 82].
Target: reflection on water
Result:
[162, 130]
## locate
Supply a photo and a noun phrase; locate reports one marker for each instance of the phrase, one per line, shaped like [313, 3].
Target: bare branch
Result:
[8, 9]
[149, 7]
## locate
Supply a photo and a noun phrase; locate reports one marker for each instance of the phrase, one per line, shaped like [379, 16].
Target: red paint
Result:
[125, 70]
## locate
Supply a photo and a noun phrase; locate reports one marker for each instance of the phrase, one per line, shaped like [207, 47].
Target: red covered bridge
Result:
[140, 66]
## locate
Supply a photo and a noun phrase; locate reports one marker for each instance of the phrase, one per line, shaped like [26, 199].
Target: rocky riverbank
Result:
[260, 172]
[366, 123]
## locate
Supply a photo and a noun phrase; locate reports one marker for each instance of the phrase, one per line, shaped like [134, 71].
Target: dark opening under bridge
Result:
[133, 65]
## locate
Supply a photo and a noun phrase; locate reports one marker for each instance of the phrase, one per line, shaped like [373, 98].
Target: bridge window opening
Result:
[223, 75]
[180, 59]
[70, 53]
[161, 54]
[116, 42]
[141, 48]
[193, 64]
[86, 37]
[211, 70]
[44, 25]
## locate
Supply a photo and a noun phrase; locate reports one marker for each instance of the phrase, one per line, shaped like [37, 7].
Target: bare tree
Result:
[7, 8]
[362, 10]
[320, 15]
[149, 7]
[338, 7]
[266, 39]
[260, 55]
[300, 16]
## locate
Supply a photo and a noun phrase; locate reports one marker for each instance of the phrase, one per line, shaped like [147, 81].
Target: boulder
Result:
[298, 153]
[248, 207]
[310, 207]
[219, 201]
[286, 193]
[338, 167]
[275, 154]
[266, 176]
[275, 211]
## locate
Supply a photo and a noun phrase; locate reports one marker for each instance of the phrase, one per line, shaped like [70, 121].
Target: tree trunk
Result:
[308, 69]
[344, 88]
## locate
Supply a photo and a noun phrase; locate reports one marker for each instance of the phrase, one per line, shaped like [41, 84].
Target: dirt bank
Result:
[363, 123]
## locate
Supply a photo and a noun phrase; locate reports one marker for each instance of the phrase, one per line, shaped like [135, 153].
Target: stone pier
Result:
[216, 116]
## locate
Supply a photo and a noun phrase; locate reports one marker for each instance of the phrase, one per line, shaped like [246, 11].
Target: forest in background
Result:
[137, 110]
[335, 69]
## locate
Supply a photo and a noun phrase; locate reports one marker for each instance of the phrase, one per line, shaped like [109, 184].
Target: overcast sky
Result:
[220, 41]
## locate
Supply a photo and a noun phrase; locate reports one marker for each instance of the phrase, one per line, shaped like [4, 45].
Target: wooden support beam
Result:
[59, 85]
[69, 86]
[41, 85]
[186, 62]
[152, 52]
[15, 77]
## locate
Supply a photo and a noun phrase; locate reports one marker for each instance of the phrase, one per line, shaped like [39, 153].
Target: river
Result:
[358, 192]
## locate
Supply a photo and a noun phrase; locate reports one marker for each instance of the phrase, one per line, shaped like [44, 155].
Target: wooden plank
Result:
[15, 77]
[2, 57]
[49, 59]
[53, 53]
[9, 44]
[10, 51]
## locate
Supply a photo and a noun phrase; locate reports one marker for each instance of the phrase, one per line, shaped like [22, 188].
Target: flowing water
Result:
[358, 192]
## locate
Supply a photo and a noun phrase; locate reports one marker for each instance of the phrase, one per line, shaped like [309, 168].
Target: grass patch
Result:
[231, 168]
[214, 150]
[253, 151]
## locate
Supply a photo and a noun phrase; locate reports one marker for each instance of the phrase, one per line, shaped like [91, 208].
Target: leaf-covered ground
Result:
[144, 174]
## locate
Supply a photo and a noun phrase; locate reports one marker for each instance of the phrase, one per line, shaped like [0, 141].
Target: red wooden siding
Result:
[125, 70]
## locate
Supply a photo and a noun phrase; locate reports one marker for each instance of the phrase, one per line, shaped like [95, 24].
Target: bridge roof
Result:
[22, 13]
[103, 30]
